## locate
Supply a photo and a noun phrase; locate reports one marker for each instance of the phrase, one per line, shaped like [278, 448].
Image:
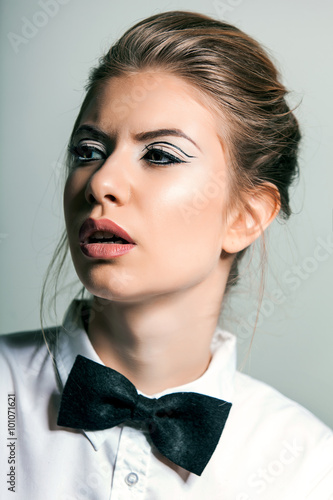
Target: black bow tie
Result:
[185, 426]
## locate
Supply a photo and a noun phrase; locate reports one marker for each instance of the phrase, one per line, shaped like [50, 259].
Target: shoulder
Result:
[19, 340]
[20, 351]
[24, 342]
[282, 437]
[265, 401]
[268, 408]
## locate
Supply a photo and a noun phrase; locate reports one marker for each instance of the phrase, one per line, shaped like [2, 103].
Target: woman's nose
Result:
[110, 182]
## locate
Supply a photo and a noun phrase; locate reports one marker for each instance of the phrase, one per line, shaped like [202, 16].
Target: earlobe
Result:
[251, 219]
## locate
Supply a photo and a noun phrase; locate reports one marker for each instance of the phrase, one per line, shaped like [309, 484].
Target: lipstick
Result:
[104, 239]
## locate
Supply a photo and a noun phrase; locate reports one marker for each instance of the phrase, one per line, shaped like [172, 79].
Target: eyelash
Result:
[172, 159]
[78, 151]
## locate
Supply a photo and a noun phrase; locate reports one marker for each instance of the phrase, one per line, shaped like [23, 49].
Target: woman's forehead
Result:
[147, 101]
[135, 90]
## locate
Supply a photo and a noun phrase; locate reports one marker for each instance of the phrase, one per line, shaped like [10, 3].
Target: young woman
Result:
[181, 156]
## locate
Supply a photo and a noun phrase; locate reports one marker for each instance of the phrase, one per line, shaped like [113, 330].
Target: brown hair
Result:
[236, 76]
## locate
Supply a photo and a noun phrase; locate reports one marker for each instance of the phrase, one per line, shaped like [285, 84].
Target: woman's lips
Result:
[105, 250]
[104, 239]
[92, 226]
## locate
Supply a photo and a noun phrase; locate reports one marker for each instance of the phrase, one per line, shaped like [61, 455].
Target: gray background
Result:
[42, 78]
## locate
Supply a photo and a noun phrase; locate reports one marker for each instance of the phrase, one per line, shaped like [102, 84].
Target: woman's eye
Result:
[86, 152]
[160, 157]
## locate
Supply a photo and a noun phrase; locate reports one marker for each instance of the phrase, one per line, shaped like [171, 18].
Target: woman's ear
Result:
[248, 221]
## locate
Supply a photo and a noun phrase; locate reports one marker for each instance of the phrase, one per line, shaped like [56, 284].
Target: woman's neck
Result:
[160, 343]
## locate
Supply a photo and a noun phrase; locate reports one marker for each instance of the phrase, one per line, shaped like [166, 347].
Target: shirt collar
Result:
[217, 381]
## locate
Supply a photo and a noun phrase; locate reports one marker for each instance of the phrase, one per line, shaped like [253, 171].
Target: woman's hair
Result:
[238, 81]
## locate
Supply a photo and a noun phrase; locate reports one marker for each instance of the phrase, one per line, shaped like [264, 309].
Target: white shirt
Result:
[271, 448]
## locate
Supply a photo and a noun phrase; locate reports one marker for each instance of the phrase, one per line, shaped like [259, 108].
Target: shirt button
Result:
[131, 479]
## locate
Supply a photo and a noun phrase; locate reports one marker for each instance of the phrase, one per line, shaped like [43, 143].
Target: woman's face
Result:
[147, 157]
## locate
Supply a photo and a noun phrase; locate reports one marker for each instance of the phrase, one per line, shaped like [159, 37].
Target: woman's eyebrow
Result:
[153, 134]
[141, 136]
[95, 132]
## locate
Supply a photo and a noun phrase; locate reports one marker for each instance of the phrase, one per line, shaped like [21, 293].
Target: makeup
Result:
[104, 239]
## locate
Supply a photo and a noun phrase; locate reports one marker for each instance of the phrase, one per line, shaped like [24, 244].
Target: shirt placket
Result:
[132, 464]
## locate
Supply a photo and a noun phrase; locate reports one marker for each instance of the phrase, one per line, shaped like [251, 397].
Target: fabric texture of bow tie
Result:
[184, 426]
